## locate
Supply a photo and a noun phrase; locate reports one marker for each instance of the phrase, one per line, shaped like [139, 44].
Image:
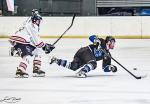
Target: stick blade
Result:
[142, 76]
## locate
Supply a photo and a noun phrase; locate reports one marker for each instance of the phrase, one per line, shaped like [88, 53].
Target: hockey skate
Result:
[81, 74]
[113, 68]
[37, 72]
[53, 60]
[21, 74]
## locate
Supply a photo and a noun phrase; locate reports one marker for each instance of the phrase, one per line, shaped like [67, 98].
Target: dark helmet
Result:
[109, 38]
[35, 12]
[35, 15]
[35, 18]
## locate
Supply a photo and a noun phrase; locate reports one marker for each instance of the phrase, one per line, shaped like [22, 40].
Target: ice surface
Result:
[60, 86]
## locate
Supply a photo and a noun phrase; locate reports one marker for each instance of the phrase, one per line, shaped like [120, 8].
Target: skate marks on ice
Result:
[90, 76]
[111, 101]
[61, 87]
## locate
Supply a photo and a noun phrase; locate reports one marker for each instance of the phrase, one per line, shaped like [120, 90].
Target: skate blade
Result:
[38, 75]
[18, 76]
[80, 76]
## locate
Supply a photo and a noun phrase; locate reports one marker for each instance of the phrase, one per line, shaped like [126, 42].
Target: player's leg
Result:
[74, 65]
[25, 51]
[13, 52]
[22, 68]
[86, 68]
[89, 62]
[106, 64]
[37, 72]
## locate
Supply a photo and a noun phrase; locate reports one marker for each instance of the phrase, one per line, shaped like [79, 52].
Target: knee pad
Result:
[74, 66]
[90, 66]
[36, 52]
[93, 63]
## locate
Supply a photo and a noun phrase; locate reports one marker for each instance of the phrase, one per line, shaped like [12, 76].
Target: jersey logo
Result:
[97, 53]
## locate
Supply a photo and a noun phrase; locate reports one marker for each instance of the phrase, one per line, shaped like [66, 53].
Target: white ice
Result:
[60, 86]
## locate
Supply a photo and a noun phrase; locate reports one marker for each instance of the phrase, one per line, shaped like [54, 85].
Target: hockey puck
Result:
[134, 68]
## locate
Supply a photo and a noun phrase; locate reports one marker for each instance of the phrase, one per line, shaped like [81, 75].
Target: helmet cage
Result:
[110, 42]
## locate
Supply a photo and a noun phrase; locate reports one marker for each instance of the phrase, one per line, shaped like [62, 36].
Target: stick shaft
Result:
[65, 31]
[120, 65]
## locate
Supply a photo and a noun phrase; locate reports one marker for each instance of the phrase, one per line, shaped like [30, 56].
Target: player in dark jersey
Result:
[86, 57]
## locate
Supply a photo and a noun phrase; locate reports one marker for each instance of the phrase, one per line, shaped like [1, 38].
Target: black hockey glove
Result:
[48, 48]
[113, 68]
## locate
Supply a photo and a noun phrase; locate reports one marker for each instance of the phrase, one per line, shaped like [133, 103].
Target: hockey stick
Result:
[66, 30]
[137, 77]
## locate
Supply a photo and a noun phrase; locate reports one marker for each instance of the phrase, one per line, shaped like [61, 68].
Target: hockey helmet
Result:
[36, 19]
[109, 38]
[35, 12]
[36, 16]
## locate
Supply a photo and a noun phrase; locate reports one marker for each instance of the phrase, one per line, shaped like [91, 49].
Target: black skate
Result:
[53, 60]
[81, 74]
[113, 68]
[37, 72]
[21, 74]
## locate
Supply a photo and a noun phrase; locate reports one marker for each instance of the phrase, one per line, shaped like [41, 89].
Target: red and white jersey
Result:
[28, 34]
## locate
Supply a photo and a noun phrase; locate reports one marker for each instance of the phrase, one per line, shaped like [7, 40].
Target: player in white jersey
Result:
[13, 51]
[27, 42]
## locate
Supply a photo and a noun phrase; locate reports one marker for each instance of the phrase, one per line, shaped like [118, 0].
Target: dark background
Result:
[79, 7]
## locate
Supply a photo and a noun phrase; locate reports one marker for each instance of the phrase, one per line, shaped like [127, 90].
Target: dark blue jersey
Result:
[95, 48]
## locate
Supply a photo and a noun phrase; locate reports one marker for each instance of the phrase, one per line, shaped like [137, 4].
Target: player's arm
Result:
[95, 40]
[36, 40]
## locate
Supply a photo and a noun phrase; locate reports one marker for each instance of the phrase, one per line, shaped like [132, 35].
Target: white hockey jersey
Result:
[28, 34]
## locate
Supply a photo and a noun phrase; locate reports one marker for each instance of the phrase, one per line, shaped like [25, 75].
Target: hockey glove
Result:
[113, 68]
[48, 48]
[110, 68]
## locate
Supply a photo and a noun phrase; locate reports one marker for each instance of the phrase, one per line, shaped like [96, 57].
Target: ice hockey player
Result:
[27, 42]
[13, 51]
[86, 58]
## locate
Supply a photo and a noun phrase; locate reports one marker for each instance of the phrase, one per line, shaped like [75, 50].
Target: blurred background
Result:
[119, 18]
[80, 7]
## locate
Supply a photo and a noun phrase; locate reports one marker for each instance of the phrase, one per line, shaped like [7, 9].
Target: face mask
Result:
[110, 44]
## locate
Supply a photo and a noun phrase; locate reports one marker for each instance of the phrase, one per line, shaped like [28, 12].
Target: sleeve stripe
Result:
[18, 39]
[40, 45]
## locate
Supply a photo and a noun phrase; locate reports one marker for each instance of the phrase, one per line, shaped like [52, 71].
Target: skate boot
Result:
[53, 60]
[37, 72]
[113, 68]
[21, 74]
[81, 74]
